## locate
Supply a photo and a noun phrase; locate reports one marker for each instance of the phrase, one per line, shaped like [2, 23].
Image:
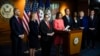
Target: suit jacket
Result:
[92, 23]
[16, 27]
[68, 23]
[84, 23]
[58, 24]
[76, 25]
[34, 30]
[44, 29]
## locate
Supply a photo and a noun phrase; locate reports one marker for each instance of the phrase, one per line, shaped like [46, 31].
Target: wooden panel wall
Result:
[4, 25]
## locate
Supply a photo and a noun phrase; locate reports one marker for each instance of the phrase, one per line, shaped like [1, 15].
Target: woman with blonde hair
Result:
[33, 34]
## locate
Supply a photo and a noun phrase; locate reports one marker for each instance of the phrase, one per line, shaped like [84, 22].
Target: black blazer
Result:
[34, 28]
[93, 23]
[76, 24]
[16, 27]
[44, 29]
[68, 23]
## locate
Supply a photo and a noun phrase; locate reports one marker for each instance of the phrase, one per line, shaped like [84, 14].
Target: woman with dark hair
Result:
[47, 33]
[33, 34]
[75, 21]
[58, 27]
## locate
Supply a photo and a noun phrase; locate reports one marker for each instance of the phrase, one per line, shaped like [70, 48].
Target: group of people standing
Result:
[46, 32]
[89, 26]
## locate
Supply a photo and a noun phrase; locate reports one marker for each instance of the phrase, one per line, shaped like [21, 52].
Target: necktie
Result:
[48, 24]
[18, 19]
[68, 20]
[91, 17]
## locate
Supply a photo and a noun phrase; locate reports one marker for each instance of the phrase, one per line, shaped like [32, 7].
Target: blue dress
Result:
[33, 34]
[84, 23]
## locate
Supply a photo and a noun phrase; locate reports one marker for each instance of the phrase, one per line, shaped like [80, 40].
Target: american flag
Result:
[47, 4]
[35, 9]
[26, 15]
[34, 6]
[40, 5]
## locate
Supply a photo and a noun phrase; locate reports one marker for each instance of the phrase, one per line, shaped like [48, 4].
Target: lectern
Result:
[72, 42]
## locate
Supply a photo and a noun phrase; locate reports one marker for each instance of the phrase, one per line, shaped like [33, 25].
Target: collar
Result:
[67, 15]
[16, 16]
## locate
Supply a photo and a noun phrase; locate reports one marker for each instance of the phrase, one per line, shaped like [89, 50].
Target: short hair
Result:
[15, 10]
[66, 9]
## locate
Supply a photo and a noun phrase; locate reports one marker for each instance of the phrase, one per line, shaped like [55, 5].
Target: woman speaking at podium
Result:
[58, 27]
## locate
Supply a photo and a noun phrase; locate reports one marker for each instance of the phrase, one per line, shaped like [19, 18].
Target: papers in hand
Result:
[67, 28]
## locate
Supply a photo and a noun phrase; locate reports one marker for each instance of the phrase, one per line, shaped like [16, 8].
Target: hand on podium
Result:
[67, 28]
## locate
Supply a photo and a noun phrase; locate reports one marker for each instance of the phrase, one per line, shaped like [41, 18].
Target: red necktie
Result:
[18, 19]
[48, 24]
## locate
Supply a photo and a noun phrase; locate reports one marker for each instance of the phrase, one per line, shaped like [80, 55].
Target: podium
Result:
[72, 42]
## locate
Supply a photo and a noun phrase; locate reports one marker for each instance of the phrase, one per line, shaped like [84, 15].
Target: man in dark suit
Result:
[92, 27]
[17, 34]
[67, 22]
[46, 32]
[67, 19]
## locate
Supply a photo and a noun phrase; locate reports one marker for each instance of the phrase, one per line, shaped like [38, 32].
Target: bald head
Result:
[16, 12]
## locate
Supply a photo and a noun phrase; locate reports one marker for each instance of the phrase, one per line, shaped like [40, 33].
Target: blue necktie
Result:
[68, 19]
